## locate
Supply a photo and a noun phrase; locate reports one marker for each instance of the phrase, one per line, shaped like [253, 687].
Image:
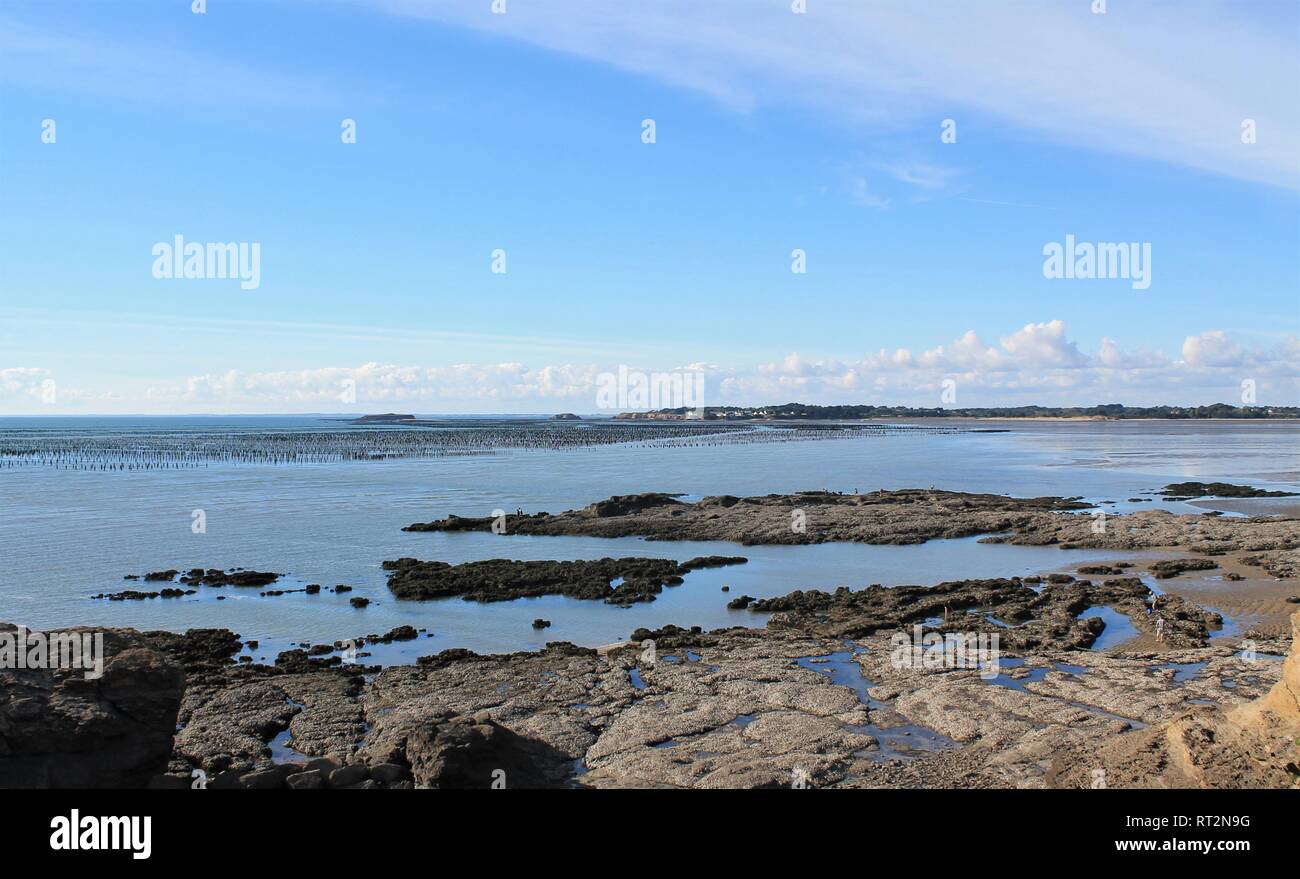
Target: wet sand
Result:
[1255, 605]
[1261, 506]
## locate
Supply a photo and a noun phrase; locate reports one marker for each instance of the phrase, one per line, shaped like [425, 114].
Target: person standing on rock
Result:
[1160, 628]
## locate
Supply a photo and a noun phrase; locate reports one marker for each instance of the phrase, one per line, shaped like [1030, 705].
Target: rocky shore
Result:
[638, 579]
[908, 516]
[848, 688]
[817, 697]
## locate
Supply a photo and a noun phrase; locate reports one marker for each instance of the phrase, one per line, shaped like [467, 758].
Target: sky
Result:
[853, 203]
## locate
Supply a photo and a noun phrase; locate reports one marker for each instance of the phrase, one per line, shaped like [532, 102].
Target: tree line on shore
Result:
[1105, 410]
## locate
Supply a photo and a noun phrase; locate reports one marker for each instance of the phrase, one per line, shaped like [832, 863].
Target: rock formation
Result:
[60, 729]
[1251, 745]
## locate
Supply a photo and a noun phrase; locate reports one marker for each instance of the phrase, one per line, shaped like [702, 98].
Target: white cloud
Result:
[35, 390]
[504, 383]
[1043, 345]
[1037, 363]
[1212, 349]
[20, 382]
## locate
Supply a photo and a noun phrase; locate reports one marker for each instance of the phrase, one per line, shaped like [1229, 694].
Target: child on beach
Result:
[1160, 628]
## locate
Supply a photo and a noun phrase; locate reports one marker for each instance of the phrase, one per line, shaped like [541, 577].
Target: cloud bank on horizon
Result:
[1036, 364]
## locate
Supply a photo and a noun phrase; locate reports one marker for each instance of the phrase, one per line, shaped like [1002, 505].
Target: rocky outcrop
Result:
[907, 516]
[59, 729]
[136, 595]
[1173, 567]
[1249, 745]
[1024, 618]
[1218, 489]
[209, 577]
[456, 752]
[505, 579]
[237, 577]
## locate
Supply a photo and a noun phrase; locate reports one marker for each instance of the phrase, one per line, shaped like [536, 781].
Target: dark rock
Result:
[466, 753]
[265, 779]
[904, 516]
[1049, 618]
[310, 779]
[215, 577]
[353, 773]
[60, 729]
[387, 773]
[324, 765]
[134, 595]
[1173, 567]
[401, 633]
[711, 561]
[230, 779]
[668, 636]
[507, 579]
[446, 657]
[1184, 490]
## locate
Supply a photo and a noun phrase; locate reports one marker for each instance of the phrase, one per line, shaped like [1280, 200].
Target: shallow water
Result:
[1119, 628]
[1183, 671]
[66, 535]
[895, 742]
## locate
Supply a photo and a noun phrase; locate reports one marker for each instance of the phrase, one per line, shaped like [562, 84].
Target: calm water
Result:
[66, 534]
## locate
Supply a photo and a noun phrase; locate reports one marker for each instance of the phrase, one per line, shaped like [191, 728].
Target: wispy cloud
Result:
[1170, 81]
[875, 183]
[921, 175]
[145, 71]
[205, 327]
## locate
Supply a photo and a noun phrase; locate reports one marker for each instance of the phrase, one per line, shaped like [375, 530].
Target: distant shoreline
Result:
[636, 417]
[864, 412]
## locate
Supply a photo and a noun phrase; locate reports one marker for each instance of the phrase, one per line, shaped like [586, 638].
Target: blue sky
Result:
[522, 131]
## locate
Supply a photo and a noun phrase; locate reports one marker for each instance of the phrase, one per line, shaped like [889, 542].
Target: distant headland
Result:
[386, 418]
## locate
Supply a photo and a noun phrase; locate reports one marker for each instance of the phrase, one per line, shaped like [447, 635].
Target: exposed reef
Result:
[1219, 489]
[504, 579]
[907, 516]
